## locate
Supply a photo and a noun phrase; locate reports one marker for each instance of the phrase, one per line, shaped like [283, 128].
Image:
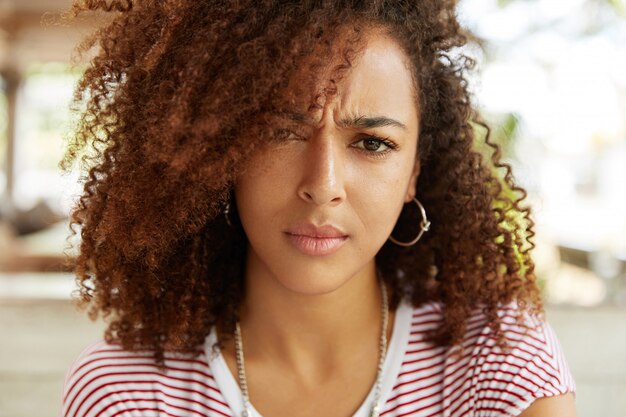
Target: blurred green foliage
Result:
[619, 6]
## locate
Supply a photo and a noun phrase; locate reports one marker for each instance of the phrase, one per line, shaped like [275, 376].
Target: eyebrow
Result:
[369, 122]
[361, 122]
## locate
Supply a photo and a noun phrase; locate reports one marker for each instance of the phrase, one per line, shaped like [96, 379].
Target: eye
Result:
[286, 134]
[374, 144]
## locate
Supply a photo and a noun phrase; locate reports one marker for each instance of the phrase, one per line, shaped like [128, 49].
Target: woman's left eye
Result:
[375, 145]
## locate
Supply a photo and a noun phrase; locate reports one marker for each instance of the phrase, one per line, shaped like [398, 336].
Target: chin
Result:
[312, 281]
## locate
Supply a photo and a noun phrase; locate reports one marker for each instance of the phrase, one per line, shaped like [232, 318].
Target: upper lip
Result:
[308, 229]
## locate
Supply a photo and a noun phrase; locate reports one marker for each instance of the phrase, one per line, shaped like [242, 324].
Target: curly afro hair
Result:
[177, 97]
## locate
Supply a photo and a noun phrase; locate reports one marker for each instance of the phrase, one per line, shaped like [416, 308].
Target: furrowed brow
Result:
[370, 122]
[359, 122]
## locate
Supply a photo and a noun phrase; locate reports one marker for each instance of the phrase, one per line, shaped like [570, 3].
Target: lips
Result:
[316, 241]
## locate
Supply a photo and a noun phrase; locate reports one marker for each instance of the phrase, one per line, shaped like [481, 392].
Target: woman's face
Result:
[319, 204]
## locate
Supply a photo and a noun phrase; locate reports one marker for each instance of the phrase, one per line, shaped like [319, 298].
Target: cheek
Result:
[380, 200]
[261, 189]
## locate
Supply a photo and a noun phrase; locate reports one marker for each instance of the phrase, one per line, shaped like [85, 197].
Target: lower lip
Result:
[316, 246]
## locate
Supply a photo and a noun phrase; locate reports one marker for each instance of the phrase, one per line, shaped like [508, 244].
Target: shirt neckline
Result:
[231, 392]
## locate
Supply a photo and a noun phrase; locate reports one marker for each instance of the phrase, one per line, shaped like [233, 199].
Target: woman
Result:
[285, 216]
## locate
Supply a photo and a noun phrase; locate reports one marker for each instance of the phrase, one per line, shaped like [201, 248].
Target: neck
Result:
[309, 333]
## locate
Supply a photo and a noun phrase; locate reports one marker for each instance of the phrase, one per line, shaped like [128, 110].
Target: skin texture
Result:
[559, 406]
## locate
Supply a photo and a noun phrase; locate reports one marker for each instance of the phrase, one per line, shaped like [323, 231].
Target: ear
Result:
[410, 191]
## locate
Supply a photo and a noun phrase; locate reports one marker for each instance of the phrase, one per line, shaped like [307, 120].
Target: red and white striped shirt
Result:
[420, 379]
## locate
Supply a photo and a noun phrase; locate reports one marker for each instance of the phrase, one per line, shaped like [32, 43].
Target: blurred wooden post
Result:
[12, 81]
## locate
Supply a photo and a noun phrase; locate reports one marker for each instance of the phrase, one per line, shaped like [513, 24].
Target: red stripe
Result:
[143, 409]
[139, 409]
[488, 397]
[416, 410]
[152, 363]
[480, 396]
[124, 391]
[425, 312]
[158, 402]
[424, 323]
[139, 382]
[454, 398]
[168, 354]
[417, 370]
[425, 349]
[402, 394]
[134, 364]
[506, 382]
[424, 359]
[419, 399]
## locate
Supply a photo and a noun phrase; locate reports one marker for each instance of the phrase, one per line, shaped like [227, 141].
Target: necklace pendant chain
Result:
[241, 372]
[376, 406]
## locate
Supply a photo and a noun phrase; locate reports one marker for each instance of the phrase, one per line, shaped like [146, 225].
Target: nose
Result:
[323, 172]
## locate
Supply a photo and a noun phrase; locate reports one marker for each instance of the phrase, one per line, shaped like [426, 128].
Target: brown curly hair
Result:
[176, 99]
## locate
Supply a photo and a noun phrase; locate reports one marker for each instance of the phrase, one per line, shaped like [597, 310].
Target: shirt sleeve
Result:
[108, 381]
[507, 381]
[77, 389]
[105, 380]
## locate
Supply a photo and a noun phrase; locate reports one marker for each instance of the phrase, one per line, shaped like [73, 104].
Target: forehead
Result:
[373, 78]
[380, 81]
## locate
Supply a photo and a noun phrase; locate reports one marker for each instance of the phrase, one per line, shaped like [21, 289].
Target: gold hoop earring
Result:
[424, 227]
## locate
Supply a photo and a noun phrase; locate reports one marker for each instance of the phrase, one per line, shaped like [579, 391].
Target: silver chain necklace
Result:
[376, 406]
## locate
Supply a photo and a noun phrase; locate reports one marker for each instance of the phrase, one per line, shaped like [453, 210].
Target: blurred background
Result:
[550, 79]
